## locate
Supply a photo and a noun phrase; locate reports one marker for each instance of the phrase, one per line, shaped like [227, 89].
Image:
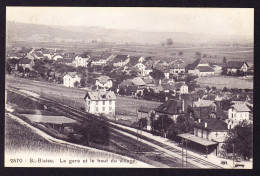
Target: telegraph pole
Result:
[182, 151]
[186, 153]
[233, 154]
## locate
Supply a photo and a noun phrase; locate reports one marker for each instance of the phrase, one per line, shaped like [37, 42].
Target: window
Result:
[103, 108]
[104, 102]
[110, 102]
[110, 108]
[96, 102]
[96, 109]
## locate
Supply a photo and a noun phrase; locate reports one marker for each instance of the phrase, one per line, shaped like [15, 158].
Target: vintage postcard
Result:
[129, 87]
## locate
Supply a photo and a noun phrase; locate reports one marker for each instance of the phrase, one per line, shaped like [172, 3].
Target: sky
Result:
[229, 21]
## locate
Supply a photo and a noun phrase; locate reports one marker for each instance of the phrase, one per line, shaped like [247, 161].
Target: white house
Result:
[238, 112]
[200, 68]
[81, 61]
[25, 63]
[70, 78]
[181, 88]
[120, 60]
[104, 82]
[100, 102]
[177, 69]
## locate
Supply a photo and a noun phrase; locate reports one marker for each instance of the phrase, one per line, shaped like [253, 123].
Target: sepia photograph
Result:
[129, 87]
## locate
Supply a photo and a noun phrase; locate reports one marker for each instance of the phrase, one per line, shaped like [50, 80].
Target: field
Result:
[125, 106]
[226, 81]
[214, 53]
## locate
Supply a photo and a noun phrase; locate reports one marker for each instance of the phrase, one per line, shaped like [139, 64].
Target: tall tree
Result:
[224, 60]
[169, 41]
[242, 139]
[157, 74]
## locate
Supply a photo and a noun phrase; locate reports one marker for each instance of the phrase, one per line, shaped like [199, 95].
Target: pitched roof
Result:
[212, 125]
[103, 79]
[25, 61]
[45, 51]
[235, 64]
[204, 112]
[138, 81]
[120, 58]
[169, 107]
[65, 60]
[38, 54]
[100, 95]
[241, 108]
[94, 58]
[251, 68]
[72, 74]
[133, 60]
[205, 69]
[203, 103]
[194, 64]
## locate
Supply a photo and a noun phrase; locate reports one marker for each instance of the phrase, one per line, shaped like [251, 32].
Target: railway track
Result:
[84, 116]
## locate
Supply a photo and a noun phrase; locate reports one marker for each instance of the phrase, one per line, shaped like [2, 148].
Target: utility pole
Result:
[233, 154]
[186, 153]
[182, 151]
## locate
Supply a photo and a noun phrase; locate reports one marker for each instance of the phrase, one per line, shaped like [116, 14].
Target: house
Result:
[100, 102]
[181, 88]
[146, 112]
[209, 112]
[70, 78]
[178, 87]
[37, 55]
[57, 57]
[45, 52]
[209, 136]
[82, 60]
[134, 85]
[177, 69]
[25, 63]
[104, 82]
[101, 60]
[204, 71]
[233, 67]
[251, 70]
[199, 68]
[148, 69]
[171, 108]
[166, 72]
[239, 112]
[120, 60]
[67, 61]
[134, 60]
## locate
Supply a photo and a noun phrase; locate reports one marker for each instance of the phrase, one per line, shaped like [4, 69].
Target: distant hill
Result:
[43, 33]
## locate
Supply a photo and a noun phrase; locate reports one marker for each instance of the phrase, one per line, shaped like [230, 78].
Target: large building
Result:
[82, 60]
[200, 68]
[100, 102]
[120, 60]
[70, 78]
[209, 136]
[25, 63]
[233, 67]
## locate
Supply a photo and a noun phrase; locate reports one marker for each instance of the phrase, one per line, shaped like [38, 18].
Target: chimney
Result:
[199, 120]
[206, 124]
[160, 82]
[166, 98]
